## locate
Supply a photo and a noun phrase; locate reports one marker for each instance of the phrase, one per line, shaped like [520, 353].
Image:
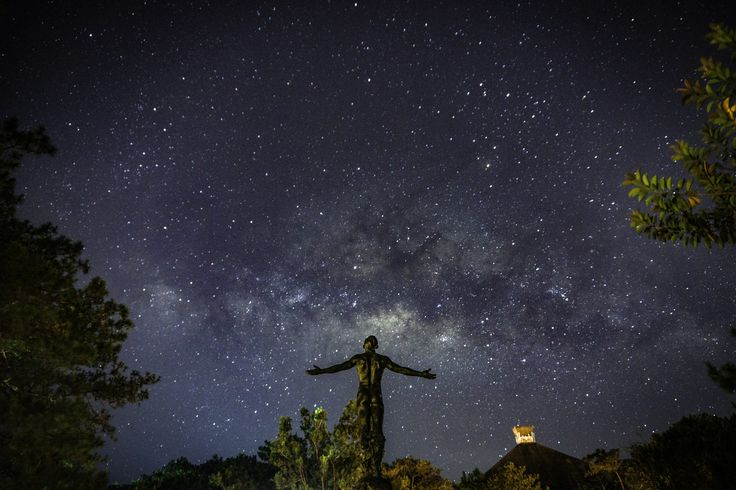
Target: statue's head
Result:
[370, 343]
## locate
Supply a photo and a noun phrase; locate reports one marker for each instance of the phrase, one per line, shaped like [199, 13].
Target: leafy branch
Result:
[700, 208]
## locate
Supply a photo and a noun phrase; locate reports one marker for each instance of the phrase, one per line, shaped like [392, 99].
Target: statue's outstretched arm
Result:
[410, 372]
[332, 369]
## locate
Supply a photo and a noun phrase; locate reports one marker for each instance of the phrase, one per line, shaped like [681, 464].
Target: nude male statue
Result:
[370, 367]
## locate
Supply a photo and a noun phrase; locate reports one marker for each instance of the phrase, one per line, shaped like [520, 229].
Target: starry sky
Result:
[266, 184]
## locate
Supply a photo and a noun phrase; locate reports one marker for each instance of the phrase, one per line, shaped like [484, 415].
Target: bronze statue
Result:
[370, 367]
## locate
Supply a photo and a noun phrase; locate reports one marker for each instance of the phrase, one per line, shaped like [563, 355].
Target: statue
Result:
[370, 367]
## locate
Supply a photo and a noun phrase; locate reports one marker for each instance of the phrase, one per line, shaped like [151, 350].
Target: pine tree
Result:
[59, 343]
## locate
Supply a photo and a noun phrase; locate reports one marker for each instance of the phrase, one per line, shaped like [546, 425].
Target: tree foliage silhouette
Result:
[512, 477]
[609, 471]
[698, 451]
[414, 474]
[724, 376]
[241, 472]
[59, 343]
[319, 458]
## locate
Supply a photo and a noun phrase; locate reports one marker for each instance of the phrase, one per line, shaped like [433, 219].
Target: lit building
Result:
[556, 470]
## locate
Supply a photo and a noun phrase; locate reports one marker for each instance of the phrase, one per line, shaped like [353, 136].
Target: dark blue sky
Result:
[264, 185]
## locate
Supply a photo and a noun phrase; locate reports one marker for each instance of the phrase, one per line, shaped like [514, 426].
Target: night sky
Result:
[264, 185]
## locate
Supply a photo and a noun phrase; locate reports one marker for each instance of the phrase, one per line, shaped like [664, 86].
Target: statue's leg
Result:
[378, 441]
[364, 416]
[373, 480]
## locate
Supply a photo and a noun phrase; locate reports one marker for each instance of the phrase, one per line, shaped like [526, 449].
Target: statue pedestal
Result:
[374, 483]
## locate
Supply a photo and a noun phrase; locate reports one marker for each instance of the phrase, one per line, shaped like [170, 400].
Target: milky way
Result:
[266, 185]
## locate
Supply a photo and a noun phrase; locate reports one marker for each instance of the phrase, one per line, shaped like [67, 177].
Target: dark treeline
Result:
[241, 472]
[698, 451]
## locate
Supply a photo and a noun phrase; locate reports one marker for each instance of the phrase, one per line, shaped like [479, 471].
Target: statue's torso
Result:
[370, 367]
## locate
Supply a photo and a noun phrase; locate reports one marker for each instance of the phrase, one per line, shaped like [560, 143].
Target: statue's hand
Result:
[315, 371]
[426, 374]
